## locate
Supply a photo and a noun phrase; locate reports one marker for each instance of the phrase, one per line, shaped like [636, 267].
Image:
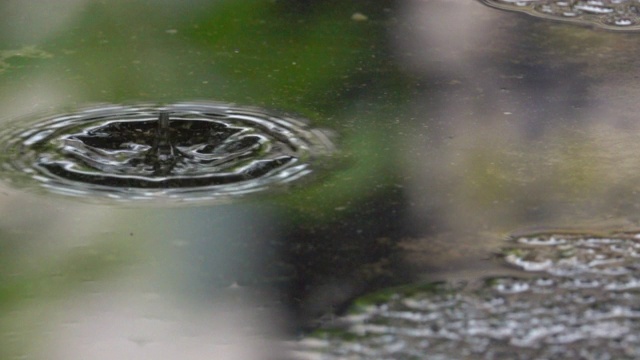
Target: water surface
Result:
[456, 125]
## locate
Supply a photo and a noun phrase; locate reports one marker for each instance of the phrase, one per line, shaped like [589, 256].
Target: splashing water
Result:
[608, 14]
[576, 299]
[186, 151]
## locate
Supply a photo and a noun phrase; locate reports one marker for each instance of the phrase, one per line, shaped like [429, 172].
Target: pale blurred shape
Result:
[117, 325]
[440, 34]
[38, 20]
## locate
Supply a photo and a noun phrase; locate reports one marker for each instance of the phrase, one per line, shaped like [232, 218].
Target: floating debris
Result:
[186, 151]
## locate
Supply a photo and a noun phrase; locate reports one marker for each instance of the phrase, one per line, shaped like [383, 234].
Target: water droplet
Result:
[185, 151]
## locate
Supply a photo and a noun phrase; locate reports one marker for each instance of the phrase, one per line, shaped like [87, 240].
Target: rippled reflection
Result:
[184, 151]
[581, 302]
[609, 14]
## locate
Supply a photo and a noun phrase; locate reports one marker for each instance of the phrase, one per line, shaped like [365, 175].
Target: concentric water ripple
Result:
[609, 14]
[577, 298]
[185, 151]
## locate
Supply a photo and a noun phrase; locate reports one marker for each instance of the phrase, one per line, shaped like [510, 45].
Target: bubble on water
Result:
[542, 314]
[609, 14]
[185, 151]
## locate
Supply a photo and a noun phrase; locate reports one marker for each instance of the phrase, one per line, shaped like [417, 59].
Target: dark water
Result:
[476, 195]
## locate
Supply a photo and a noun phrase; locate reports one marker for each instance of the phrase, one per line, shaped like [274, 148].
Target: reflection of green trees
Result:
[365, 167]
[300, 56]
[304, 57]
[311, 57]
[291, 53]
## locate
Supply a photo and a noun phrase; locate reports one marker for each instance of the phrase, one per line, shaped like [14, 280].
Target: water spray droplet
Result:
[185, 151]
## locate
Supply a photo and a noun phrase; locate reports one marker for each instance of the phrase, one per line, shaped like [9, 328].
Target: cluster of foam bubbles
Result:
[609, 14]
[186, 151]
[577, 298]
